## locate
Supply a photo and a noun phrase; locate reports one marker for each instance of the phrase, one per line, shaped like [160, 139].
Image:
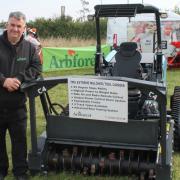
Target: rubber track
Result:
[175, 107]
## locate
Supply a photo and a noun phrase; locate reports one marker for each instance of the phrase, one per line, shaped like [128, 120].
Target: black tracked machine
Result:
[115, 121]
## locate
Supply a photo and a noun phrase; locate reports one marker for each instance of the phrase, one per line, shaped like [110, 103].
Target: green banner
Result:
[68, 58]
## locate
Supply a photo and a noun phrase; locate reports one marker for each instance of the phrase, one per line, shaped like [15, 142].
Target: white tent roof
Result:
[150, 17]
[172, 16]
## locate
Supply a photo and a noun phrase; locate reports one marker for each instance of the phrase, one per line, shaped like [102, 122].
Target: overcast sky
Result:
[52, 8]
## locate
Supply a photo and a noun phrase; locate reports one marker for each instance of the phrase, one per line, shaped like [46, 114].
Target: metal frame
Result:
[41, 87]
[123, 10]
[36, 89]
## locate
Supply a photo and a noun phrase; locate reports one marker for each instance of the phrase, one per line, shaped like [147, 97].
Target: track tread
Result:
[175, 107]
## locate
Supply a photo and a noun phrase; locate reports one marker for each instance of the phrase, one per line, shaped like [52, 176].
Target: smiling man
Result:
[19, 62]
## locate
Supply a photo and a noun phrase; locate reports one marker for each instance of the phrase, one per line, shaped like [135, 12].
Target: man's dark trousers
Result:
[15, 121]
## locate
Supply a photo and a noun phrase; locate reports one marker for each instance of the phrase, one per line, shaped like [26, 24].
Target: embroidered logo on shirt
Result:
[21, 59]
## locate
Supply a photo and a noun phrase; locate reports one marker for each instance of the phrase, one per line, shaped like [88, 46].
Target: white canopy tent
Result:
[141, 29]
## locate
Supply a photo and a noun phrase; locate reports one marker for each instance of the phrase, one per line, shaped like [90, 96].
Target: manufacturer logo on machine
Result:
[41, 90]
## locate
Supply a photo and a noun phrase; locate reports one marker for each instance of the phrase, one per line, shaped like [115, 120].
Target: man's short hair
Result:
[18, 15]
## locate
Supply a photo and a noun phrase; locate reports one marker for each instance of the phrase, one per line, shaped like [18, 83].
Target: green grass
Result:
[172, 79]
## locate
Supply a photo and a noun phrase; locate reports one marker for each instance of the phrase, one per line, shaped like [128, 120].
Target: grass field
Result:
[173, 79]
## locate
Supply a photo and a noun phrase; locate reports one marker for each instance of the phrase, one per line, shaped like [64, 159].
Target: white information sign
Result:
[98, 99]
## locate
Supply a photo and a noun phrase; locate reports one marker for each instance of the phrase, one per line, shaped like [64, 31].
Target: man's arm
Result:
[33, 70]
[2, 79]
[11, 84]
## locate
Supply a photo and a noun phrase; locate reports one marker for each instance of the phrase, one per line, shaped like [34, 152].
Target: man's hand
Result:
[11, 84]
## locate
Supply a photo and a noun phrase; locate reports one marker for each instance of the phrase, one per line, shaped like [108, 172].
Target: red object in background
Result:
[174, 62]
[176, 44]
[115, 40]
[71, 52]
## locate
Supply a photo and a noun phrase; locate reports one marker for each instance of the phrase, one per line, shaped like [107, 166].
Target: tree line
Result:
[65, 27]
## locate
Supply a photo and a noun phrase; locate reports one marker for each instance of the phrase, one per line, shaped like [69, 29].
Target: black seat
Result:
[127, 61]
[128, 65]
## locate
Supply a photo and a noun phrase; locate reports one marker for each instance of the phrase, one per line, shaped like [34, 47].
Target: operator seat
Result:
[128, 65]
[127, 61]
